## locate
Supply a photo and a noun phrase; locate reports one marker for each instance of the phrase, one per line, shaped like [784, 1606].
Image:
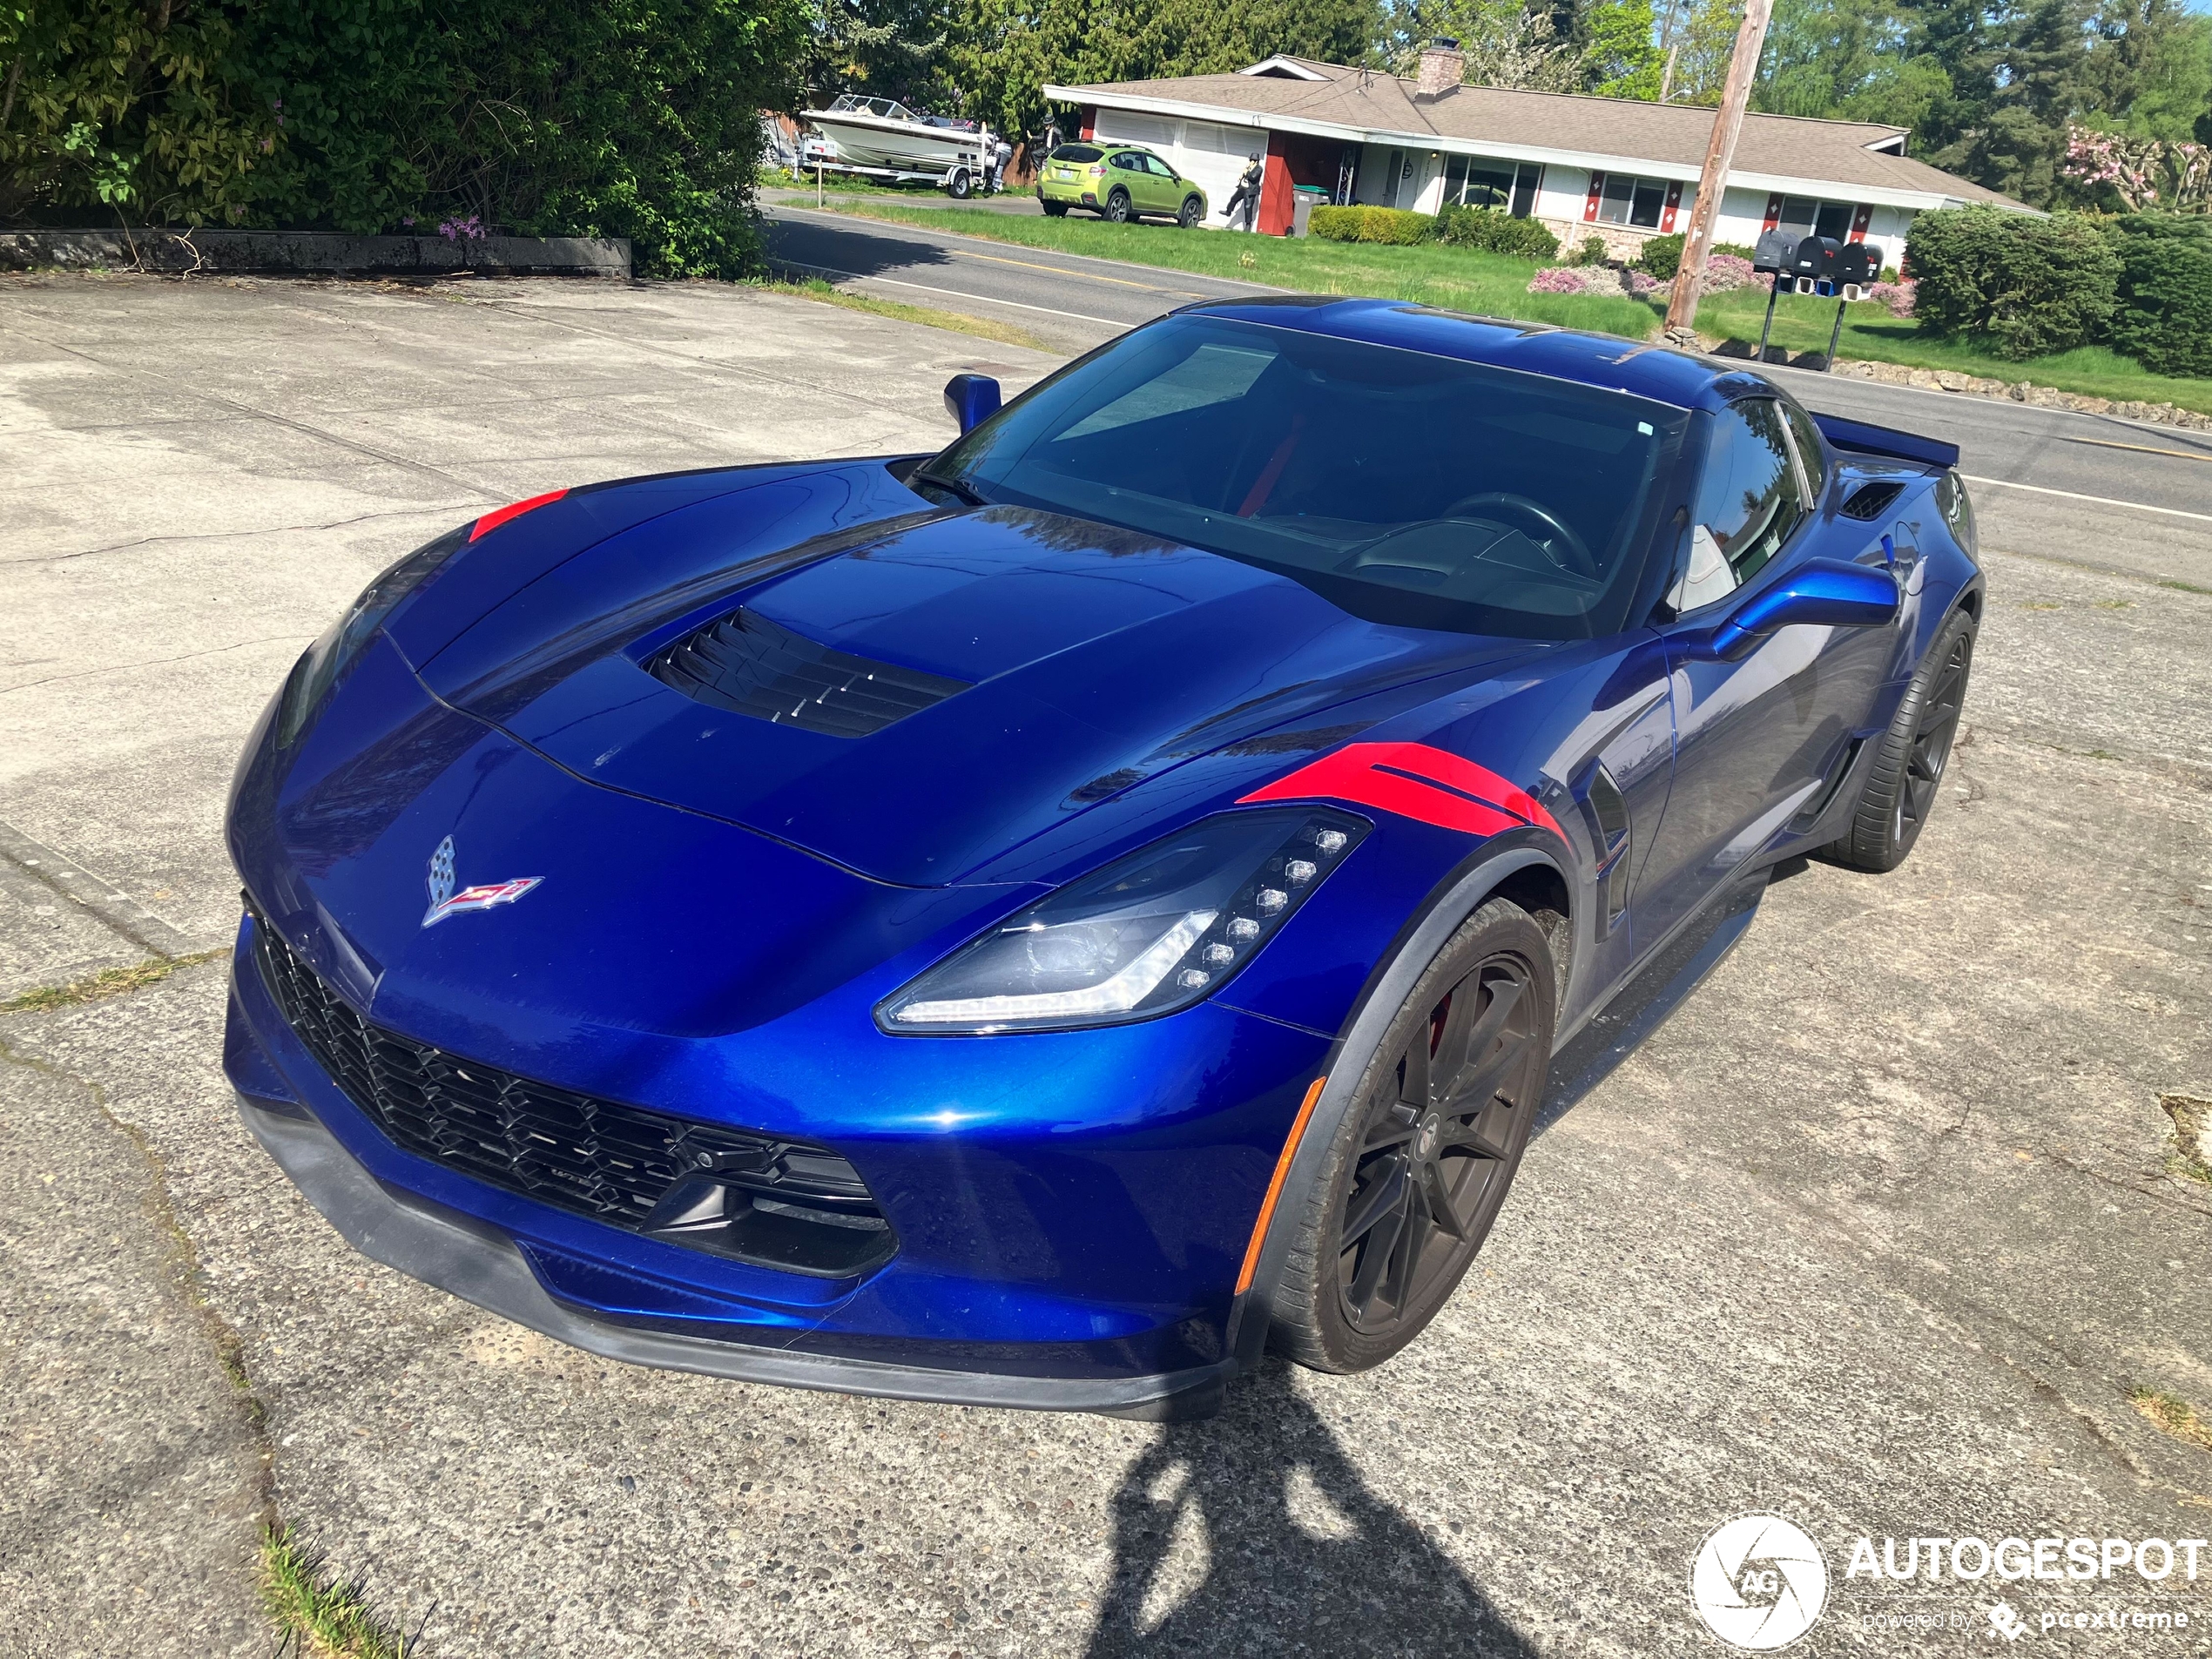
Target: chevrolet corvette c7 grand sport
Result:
[1037, 924]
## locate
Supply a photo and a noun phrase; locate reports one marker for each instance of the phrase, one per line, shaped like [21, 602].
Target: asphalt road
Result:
[1878, 1232]
[2090, 477]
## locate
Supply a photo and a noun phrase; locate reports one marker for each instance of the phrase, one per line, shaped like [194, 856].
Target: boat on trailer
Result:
[881, 137]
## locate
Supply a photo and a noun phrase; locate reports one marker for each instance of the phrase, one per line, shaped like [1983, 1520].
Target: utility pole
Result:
[1743, 68]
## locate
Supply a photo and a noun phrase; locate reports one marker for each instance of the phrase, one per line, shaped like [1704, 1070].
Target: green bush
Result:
[1589, 250]
[1494, 232]
[1661, 256]
[1390, 225]
[636, 118]
[2030, 286]
[2164, 316]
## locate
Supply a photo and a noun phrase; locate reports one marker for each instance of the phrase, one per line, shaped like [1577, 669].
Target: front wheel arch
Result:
[1482, 877]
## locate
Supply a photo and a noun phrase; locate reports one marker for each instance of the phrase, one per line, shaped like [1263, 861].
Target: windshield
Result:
[1406, 487]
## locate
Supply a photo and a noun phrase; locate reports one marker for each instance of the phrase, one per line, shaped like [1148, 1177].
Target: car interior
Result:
[1345, 464]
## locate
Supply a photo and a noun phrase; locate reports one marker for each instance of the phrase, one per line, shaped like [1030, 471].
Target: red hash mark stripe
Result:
[1414, 781]
[498, 517]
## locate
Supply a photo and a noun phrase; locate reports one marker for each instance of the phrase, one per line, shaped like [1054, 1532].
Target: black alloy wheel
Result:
[1193, 210]
[1904, 781]
[1117, 208]
[1423, 1159]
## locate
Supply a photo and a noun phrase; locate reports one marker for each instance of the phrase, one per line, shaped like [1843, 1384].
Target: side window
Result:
[1159, 166]
[1747, 503]
[1809, 451]
[1128, 162]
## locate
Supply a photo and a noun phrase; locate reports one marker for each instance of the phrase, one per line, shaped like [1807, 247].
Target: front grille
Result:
[756, 1197]
[748, 664]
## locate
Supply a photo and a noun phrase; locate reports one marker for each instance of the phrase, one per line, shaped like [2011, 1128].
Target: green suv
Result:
[1120, 182]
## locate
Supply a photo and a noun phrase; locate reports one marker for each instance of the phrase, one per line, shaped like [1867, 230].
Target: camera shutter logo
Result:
[1758, 1582]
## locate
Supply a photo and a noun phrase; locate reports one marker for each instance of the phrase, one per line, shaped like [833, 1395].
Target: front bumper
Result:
[483, 1266]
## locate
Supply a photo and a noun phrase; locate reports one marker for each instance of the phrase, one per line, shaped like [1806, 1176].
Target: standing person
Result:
[1244, 199]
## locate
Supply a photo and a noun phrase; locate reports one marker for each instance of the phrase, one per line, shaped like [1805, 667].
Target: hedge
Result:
[2030, 285]
[1390, 226]
[1496, 233]
[2164, 316]
[636, 118]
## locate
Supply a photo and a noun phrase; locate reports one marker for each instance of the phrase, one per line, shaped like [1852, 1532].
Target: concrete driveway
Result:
[1880, 1233]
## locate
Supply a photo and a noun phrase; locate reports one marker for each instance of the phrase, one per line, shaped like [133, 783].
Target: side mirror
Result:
[1829, 592]
[971, 400]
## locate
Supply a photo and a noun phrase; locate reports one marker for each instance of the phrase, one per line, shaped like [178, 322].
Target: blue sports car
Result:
[1036, 924]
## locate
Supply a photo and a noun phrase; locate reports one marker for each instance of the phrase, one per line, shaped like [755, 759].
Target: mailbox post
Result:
[1818, 265]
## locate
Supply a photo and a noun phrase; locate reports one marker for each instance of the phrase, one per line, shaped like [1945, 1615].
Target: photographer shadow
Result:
[1252, 1532]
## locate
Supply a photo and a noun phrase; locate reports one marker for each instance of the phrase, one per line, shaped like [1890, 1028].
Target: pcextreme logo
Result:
[1758, 1582]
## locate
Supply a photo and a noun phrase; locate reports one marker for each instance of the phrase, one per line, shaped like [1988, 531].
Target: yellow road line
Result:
[2144, 449]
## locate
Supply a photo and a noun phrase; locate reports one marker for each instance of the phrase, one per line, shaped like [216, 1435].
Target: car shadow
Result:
[1252, 1532]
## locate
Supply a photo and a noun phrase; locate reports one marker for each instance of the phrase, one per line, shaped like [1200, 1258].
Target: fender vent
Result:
[1870, 502]
[748, 664]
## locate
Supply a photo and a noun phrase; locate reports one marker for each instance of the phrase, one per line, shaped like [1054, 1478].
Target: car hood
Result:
[1084, 660]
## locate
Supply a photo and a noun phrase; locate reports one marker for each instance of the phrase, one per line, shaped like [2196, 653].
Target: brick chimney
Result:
[1442, 64]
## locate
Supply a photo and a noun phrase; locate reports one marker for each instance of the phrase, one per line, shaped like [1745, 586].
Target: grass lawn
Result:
[1458, 278]
[1462, 279]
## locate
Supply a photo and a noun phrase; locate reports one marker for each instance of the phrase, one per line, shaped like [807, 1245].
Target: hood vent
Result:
[748, 664]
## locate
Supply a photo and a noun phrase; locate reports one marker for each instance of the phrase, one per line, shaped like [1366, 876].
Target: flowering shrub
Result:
[1642, 284]
[1897, 296]
[1562, 278]
[1726, 271]
[461, 230]
[2171, 174]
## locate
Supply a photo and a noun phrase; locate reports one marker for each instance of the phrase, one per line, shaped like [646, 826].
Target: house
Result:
[1615, 168]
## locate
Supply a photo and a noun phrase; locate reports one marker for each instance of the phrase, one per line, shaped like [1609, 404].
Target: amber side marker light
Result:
[1275, 1186]
[499, 516]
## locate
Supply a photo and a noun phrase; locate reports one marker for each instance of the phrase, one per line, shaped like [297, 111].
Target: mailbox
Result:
[1860, 264]
[1814, 259]
[1773, 250]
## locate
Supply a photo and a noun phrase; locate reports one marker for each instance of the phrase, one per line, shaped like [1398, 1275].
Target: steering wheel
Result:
[1558, 537]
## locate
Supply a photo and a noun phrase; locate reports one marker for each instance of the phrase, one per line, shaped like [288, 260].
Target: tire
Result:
[1421, 1161]
[1193, 210]
[1117, 208]
[1055, 210]
[960, 185]
[1904, 781]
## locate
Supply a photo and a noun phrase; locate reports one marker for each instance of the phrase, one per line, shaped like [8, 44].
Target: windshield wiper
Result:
[974, 497]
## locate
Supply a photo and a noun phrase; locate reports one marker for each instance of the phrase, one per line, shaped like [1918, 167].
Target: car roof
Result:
[1642, 369]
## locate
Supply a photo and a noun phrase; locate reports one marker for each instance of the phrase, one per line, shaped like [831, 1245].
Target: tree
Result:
[1619, 56]
[2018, 143]
[887, 48]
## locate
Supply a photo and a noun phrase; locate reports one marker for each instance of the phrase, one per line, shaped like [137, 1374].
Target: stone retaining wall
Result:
[312, 254]
[2041, 397]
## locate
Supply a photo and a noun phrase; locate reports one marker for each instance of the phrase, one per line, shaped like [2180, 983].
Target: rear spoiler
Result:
[1887, 440]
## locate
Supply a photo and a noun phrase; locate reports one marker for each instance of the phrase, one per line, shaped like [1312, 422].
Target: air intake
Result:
[1870, 502]
[756, 1197]
[748, 664]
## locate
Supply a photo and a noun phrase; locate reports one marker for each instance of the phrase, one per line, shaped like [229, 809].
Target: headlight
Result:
[324, 661]
[1146, 935]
